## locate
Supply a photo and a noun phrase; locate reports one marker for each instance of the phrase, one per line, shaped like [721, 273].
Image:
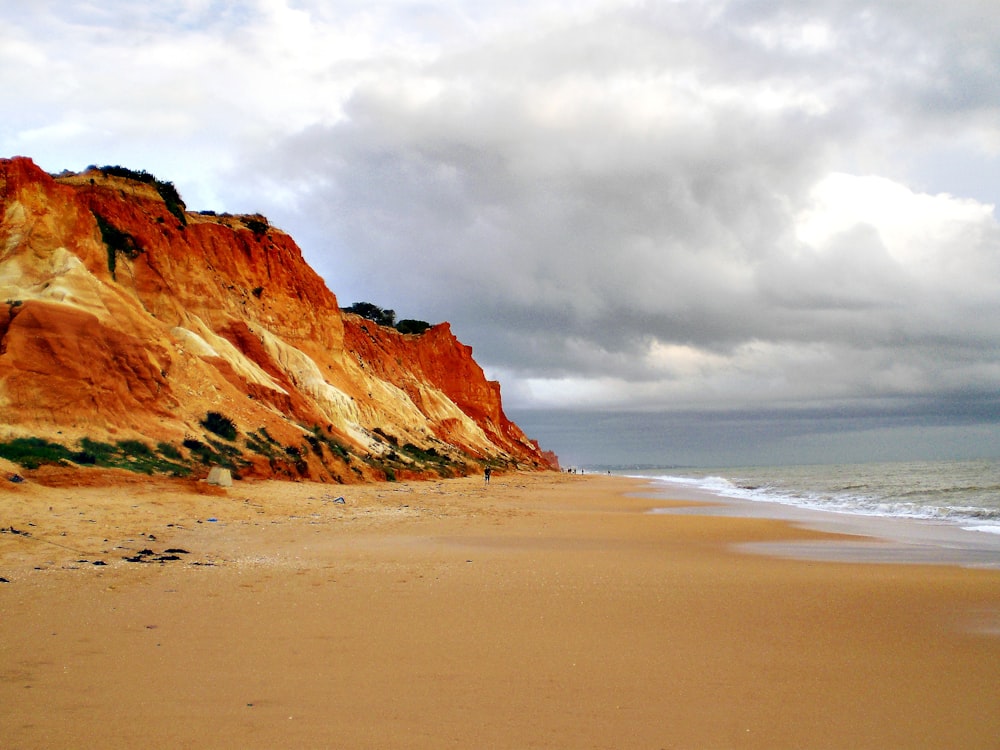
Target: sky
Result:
[697, 232]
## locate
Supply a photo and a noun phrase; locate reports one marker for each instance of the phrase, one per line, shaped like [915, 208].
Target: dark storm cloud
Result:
[613, 208]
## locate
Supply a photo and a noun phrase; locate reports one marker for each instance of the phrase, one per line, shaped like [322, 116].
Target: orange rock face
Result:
[119, 321]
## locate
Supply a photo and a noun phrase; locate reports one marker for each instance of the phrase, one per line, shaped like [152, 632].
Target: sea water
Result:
[962, 493]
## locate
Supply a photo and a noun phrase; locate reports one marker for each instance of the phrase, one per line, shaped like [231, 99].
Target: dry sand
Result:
[542, 611]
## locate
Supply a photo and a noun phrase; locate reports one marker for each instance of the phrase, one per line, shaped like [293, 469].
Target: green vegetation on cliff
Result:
[387, 318]
[166, 190]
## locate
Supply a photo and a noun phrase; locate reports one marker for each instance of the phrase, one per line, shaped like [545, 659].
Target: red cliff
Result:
[127, 323]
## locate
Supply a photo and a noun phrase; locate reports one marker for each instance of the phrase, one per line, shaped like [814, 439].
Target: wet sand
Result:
[542, 611]
[858, 538]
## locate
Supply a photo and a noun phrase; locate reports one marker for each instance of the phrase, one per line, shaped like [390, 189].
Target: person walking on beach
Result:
[486, 475]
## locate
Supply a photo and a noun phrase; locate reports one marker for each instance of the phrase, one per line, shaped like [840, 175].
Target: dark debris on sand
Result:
[147, 555]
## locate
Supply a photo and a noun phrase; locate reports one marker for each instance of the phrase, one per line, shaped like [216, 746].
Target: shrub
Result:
[173, 200]
[168, 451]
[421, 454]
[408, 325]
[134, 448]
[199, 450]
[256, 224]
[389, 438]
[373, 313]
[133, 455]
[338, 450]
[228, 456]
[33, 452]
[166, 190]
[387, 318]
[139, 175]
[260, 445]
[116, 241]
[317, 446]
[220, 424]
[193, 445]
[102, 452]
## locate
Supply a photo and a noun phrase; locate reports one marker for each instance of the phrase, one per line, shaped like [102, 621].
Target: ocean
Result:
[960, 493]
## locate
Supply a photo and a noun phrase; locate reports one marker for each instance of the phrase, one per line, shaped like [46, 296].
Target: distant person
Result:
[486, 475]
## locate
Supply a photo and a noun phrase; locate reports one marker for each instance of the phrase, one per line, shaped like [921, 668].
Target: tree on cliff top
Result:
[373, 313]
[387, 318]
[408, 325]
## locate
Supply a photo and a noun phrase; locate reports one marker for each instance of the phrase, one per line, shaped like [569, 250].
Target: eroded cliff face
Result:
[125, 319]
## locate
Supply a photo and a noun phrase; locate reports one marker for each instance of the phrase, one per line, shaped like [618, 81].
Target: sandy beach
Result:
[540, 611]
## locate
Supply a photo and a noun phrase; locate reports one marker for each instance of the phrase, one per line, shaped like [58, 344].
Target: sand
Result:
[542, 611]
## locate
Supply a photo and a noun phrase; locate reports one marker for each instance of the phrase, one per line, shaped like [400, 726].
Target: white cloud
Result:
[915, 227]
[807, 36]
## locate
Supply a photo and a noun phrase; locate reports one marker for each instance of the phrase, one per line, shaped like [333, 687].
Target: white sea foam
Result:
[965, 493]
[987, 529]
[923, 511]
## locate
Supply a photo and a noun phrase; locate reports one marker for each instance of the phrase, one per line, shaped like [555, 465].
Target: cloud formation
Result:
[698, 205]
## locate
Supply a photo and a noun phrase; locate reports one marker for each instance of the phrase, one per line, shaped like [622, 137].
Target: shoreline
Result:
[547, 611]
[863, 538]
